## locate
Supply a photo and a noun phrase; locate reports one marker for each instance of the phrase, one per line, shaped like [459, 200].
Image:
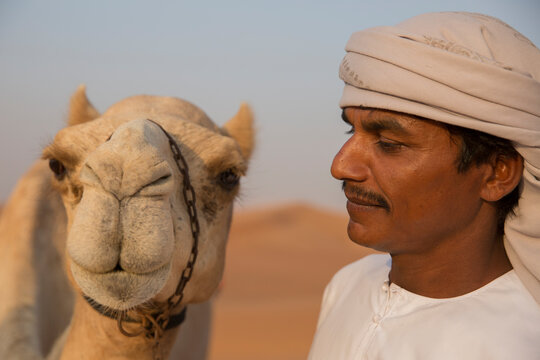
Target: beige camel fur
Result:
[114, 218]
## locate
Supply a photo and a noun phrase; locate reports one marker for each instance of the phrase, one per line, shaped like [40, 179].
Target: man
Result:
[441, 171]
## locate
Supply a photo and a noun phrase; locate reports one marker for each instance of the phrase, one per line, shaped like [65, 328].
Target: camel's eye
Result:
[57, 168]
[228, 179]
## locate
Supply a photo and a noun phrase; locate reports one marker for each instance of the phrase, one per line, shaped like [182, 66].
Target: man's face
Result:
[400, 178]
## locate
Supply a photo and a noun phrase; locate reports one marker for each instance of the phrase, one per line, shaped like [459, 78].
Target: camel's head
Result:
[129, 233]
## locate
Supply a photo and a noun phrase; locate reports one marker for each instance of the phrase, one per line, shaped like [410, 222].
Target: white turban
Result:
[464, 69]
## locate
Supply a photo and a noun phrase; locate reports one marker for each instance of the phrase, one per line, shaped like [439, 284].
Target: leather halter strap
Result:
[174, 320]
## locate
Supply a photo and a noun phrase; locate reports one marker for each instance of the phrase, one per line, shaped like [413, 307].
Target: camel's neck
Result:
[94, 336]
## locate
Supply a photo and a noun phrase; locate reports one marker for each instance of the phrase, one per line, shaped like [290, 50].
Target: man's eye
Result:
[388, 146]
[350, 131]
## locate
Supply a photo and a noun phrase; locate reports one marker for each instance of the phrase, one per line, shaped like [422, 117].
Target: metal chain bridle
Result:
[154, 321]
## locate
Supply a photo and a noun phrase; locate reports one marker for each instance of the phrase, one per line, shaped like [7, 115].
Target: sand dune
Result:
[279, 260]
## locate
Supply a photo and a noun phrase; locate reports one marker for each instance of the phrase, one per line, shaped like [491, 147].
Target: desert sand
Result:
[279, 259]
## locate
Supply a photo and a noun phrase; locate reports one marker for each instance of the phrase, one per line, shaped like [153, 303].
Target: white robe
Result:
[364, 318]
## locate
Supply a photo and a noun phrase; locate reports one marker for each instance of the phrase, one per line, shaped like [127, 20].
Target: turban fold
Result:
[468, 70]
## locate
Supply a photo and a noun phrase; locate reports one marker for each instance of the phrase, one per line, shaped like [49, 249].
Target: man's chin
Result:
[361, 235]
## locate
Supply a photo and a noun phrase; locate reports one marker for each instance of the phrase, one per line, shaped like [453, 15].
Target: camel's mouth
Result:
[119, 289]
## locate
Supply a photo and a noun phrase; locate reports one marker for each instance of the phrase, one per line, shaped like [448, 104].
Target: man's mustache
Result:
[361, 193]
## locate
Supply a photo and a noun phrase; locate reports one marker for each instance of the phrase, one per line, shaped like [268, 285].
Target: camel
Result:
[118, 229]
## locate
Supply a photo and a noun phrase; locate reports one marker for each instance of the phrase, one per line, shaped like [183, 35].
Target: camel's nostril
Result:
[118, 267]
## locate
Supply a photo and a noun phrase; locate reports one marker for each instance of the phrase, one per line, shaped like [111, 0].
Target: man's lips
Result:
[362, 202]
[358, 208]
[363, 198]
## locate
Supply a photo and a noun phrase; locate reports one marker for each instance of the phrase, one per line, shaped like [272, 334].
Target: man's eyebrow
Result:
[384, 123]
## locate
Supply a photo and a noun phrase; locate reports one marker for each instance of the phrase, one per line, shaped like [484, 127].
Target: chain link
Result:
[190, 199]
[153, 323]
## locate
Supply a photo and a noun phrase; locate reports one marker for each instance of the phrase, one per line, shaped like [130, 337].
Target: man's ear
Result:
[505, 175]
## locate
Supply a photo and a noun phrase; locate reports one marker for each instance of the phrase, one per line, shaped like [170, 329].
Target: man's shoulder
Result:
[506, 292]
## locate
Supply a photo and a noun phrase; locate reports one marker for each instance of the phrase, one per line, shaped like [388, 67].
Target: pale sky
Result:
[281, 57]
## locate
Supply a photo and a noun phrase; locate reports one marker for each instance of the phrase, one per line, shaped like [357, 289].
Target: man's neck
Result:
[94, 336]
[456, 266]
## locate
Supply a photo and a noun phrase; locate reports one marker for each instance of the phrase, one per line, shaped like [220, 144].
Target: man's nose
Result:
[351, 162]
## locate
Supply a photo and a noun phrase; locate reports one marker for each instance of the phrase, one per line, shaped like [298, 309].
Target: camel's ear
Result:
[240, 128]
[80, 109]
